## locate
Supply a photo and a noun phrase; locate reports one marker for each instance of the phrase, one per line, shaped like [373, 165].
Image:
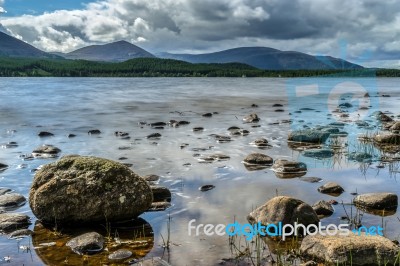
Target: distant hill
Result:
[13, 47]
[267, 58]
[111, 52]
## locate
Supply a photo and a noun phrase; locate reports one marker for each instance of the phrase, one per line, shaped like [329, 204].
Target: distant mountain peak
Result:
[112, 52]
[121, 42]
[13, 47]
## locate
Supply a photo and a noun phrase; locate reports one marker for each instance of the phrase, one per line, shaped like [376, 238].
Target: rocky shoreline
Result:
[76, 191]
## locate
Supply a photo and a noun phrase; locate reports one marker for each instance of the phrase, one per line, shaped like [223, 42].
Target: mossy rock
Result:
[79, 189]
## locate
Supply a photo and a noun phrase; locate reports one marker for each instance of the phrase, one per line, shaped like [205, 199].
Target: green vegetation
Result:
[155, 67]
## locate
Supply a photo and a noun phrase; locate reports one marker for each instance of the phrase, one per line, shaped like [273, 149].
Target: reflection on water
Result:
[135, 236]
[75, 106]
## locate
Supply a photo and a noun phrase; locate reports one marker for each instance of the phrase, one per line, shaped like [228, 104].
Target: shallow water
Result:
[76, 105]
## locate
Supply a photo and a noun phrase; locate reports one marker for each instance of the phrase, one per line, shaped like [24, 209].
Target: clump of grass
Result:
[167, 242]
[355, 220]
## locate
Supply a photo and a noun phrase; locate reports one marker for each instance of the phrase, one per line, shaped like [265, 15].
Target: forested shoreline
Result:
[156, 67]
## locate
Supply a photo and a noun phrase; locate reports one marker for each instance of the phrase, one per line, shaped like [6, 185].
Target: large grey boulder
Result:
[352, 249]
[79, 189]
[377, 201]
[284, 209]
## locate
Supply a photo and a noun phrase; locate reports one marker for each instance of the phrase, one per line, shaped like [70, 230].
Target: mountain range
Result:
[259, 57]
[266, 58]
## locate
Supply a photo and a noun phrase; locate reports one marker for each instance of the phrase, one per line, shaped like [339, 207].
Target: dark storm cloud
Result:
[157, 17]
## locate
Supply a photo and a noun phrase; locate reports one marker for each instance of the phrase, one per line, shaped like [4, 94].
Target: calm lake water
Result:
[76, 105]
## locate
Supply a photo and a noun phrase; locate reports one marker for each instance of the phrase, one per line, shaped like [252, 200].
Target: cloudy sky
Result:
[365, 32]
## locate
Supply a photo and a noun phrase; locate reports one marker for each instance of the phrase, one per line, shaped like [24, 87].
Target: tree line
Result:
[156, 67]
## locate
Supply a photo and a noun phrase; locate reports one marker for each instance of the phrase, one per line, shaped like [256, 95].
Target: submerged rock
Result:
[155, 261]
[175, 123]
[286, 210]
[349, 249]
[222, 139]
[10, 145]
[345, 105]
[252, 118]
[20, 233]
[360, 157]
[239, 132]
[318, 153]
[154, 136]
[3, 167]
[383, 118]
[311, 179]
[309, 135]
[121, 134]
[377, 201]
[261, 142]
[10, 222]
[206, 188]
[94, 132]
[215, 158]
[198, 129]
[158, 124]
[331, 188]
[45, 134]
[80, 189]
[120, 254]
[89, 243]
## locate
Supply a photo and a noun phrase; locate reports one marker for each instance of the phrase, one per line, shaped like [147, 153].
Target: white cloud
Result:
[312, 26]
[2, 10]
